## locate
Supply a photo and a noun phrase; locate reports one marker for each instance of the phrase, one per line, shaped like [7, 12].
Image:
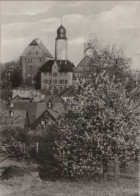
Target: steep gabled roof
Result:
[63, 66]
[83, 65]
[34, 109]
[37, 42]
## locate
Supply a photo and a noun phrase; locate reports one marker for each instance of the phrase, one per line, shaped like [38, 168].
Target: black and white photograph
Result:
[69, 98]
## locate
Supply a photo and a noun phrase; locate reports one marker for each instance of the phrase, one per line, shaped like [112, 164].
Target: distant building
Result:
[57, 75]
[82, 71]
[30, 115]
[8, 72]
[27, 95]
[32, 58]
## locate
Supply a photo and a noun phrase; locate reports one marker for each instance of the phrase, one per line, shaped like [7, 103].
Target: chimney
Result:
[49, 105]
[11, 104]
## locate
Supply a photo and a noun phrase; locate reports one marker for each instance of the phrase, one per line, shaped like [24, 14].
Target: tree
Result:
[102, 123]
[16, 79]
[112, 59]
[37, 80]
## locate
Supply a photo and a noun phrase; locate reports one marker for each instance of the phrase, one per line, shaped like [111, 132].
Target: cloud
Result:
[24, 7]
[114, 22]
[77, 41]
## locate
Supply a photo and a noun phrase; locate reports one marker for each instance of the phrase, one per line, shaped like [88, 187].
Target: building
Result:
[27, 95]
[82, 70]
[57, 75]
[32, 58]
[8, 72]
[30, 115]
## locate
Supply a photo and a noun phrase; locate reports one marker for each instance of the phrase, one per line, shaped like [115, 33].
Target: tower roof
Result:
[61, 32]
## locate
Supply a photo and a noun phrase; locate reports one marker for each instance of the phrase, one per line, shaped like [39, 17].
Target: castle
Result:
[55, 74]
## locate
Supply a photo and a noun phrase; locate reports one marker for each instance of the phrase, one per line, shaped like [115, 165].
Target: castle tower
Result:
[61, 44]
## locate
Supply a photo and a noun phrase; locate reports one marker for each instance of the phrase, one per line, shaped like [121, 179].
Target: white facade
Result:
[61, 49]
[55, 79]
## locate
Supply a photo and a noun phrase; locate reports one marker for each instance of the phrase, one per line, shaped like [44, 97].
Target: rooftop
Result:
[37, 42]
[63, 66]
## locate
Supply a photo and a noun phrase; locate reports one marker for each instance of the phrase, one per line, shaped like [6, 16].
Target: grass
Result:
[33, 186]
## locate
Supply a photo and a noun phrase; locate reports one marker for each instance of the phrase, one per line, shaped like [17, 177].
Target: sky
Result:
[115, 22]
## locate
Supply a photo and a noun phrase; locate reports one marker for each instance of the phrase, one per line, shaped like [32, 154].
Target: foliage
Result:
[15, 143]
[16, 79]
[102, 122]
[5, 82]
[37, 80]
[112, 59]
[5, 94]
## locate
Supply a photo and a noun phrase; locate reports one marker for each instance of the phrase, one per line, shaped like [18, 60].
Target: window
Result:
[66, 81]
[54, 74]
[55, 81]
[40, 59]
[29, 60]
[61, 82]
[45, 81]
[36, 52]
[30, 68]
[49, 81]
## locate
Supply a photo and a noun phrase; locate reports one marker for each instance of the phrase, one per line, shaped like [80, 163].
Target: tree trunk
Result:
[37, 148]
[105, 171]
[116, 169]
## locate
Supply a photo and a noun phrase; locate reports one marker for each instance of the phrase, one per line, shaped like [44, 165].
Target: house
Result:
[20, 95]
[82, 70]
[32, 58]
[29, 115]
[56, 75]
